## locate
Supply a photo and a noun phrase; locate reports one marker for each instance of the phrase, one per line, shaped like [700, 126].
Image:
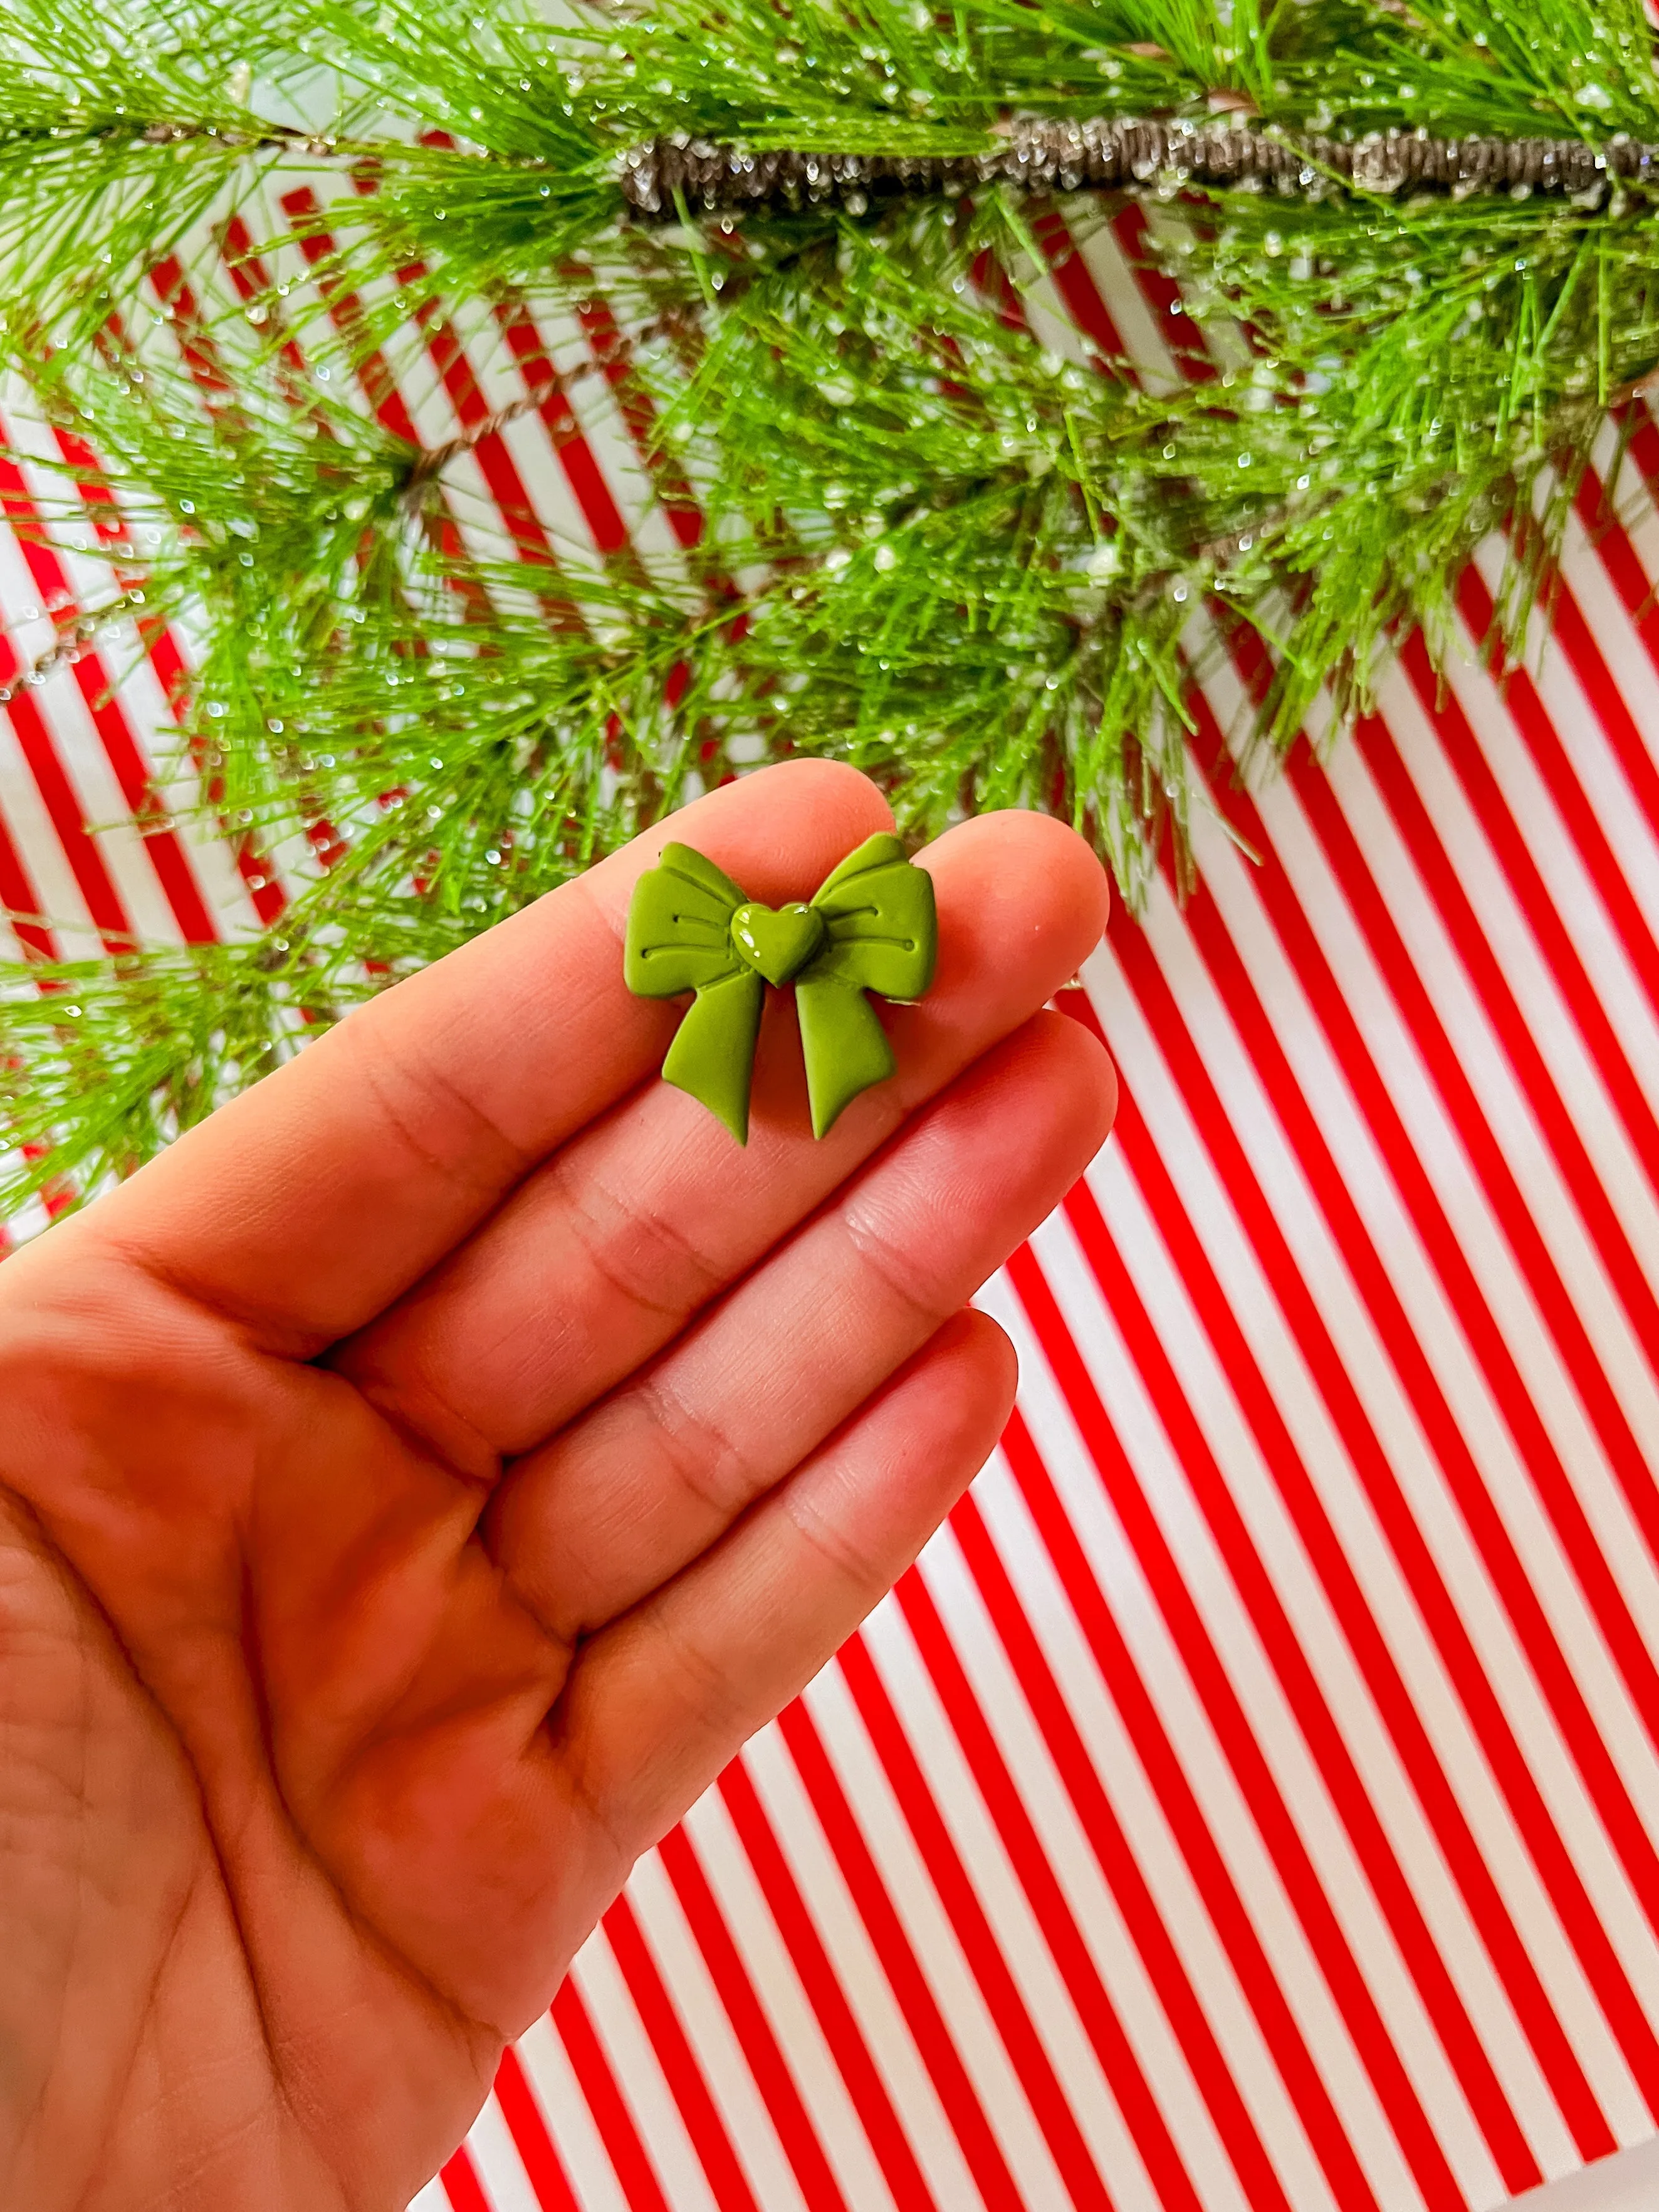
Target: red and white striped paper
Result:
[1249, 1802]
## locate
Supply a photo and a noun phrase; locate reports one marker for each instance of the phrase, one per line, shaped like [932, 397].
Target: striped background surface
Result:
[1251, 1799]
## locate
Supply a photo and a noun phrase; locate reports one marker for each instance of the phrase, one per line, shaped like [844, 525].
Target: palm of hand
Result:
[416, 1485]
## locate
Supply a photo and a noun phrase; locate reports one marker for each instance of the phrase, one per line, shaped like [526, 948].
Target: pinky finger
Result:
[666, 1695]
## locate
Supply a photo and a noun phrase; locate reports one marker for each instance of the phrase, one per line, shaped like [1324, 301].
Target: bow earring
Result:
[870, 926]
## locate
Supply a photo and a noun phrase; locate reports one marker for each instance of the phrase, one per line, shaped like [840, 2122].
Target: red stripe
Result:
[248, 274]
[200, 355]
[461, 2184]
[766, 2062]
[1486, 972]
[1067, 1946]
[909, 1985]
[1365, 1639]
[1629, 579]
[1176, 327]
[614, 354]
[1076, 286]
[1319, 1727]
[35, 941]
[1301, 1312]
[1509, 1207]
[63, 806]
[1554, 765]
[18, 896]
[592, 2070]
[1487, 804]
[990, 1969]
[1531, 721]
[690, 2089]
[345, 312]
[1303, 1888]
[1463, 754]
[258, 872]
[530, 2139]
[1142, 1916]
[576, 456]
[166, 853]
[1228, 1915]
[811, 1962]
[379, 388]
[495, 459]
[1560, 1499]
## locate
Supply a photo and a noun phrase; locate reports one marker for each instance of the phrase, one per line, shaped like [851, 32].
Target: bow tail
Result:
[843, 1044]
[713, 1055]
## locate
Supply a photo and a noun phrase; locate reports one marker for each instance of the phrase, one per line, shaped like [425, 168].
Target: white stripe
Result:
[1145, 1822]
[1549, 1383]
[1540, 999]
[640, 2080]
[598, 416]
[1107, 1938]
[783, 1998]
[933, 1938]
[1439, 1148]
[1366, 1176]
[1612, 625]
[1322, 1639]
[1014, 1926]
[570, 2123]
[93, 790]
[1209, 1774]
[39, 851]
[1576, 901]
[1391, 1417]
[1285, 1751]
[709, 2031]
[859, 1971]
[1147, 342]
[496, 2157]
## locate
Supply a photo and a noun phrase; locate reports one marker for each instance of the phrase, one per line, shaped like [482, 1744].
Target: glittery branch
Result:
[1049, 157]
[551, 384]
[431, 464]
[74, 641]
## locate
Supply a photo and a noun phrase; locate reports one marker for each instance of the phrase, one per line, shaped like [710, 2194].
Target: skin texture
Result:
[416, 1485]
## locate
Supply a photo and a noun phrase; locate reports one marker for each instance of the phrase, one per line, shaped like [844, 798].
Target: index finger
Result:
[303, 1207]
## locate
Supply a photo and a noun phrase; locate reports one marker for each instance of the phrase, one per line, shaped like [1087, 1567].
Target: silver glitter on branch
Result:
[74, 641]
[1044, 155]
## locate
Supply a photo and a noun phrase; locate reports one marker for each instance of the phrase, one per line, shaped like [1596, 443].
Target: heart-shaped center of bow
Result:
[777, 940]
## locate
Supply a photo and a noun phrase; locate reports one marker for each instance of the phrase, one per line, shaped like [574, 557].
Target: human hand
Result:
[416, 1485]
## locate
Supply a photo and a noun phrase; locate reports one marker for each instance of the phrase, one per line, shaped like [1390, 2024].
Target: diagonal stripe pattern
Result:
[1248, 1802]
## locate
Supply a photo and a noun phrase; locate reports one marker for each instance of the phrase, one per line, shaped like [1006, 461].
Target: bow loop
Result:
[679, 926]
[879, 909]
[691, 928]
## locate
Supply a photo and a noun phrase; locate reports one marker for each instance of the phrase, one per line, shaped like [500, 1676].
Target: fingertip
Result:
[1093, 1071]
[1017, 890]
[935, 1423]
[988, 1349]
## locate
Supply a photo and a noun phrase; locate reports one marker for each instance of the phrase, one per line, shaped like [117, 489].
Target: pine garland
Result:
[1041, 155]
[936, 534]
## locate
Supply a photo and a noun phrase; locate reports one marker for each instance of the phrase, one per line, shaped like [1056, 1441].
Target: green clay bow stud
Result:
[870, 927]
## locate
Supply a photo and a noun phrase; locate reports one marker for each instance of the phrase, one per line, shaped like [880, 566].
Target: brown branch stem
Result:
[1041, 155]
[71, 643]
[432, 462]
